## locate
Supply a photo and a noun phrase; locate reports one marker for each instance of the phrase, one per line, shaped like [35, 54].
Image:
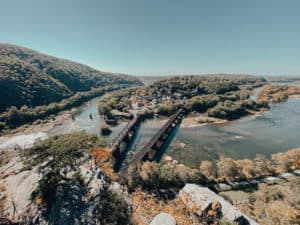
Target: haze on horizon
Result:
[160, 37]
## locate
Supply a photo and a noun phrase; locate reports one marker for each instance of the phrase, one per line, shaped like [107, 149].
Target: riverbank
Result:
[26, 135]
[295, 96]
[200, 120]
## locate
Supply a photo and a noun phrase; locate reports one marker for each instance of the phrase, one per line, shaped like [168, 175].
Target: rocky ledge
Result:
[202, 200]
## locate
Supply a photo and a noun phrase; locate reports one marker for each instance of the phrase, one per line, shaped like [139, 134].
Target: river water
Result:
[274, 131]
[83, 122]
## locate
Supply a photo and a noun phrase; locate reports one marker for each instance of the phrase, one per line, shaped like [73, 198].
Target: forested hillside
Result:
[34, 85]
[30, 78]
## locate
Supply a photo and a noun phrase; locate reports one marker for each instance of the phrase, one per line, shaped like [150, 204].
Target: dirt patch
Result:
[196, 121]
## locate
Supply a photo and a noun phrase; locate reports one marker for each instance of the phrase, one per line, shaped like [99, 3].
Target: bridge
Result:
[125, 135]
[151, 149]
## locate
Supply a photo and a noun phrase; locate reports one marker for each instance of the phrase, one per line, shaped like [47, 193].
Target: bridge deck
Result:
[120, 138]
[140, 155]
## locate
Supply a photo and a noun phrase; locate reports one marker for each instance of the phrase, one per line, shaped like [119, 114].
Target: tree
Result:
[103, 108]
[227, 168]
[209, 169]
[13, 115]
[263, 166]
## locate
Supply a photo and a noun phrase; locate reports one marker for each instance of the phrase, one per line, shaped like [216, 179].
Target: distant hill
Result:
[30, 78]
[151, 79]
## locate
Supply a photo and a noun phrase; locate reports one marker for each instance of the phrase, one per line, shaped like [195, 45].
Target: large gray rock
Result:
[199, 200]
[75, 203]
[17, 187]
[163, 219]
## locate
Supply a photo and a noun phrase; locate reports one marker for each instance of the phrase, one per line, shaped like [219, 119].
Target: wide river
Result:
[274, 131]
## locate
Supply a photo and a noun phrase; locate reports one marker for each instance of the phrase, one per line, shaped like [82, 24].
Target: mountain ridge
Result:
[31, 78]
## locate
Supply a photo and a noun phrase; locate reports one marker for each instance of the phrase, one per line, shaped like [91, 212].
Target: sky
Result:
[161, 37]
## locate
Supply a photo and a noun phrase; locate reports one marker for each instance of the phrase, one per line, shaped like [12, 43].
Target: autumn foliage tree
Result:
[103, 157]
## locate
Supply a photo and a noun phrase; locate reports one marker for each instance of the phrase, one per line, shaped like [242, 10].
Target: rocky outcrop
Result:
[163, 219]
[201, 200]
[16, 189]
[75, 200]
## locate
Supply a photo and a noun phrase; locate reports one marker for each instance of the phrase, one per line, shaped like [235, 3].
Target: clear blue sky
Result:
[161, 36]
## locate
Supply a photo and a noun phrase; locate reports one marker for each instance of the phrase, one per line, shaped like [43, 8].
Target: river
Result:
[274, 131]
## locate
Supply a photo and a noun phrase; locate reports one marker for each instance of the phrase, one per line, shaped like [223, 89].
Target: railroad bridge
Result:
[125, 135]
[151, 149]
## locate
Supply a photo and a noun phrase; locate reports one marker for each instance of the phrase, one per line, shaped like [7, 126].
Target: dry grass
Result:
[147, 206]
[5, 157]
[3, 198]
[103, 157]
[277, 204]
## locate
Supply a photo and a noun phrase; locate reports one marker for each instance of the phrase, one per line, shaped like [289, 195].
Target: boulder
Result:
[163, 219]
[297, 172]
[200, 200]
[167, 159]
[17, 188]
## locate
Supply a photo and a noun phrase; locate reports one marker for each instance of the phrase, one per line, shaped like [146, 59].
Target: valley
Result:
[234, 134]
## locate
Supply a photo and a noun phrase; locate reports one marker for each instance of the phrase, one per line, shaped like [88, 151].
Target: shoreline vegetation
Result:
[227, 169]
[15, 117]
[277, 93]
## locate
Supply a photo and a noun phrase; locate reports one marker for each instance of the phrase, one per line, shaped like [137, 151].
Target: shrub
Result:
[227, 168]
[287, 161]
[113, 209]
[209, 169]
[264, 167]
[167, 109]
[59, 152]
[151, 175]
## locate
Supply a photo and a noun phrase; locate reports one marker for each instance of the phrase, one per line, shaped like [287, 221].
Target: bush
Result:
[209, 169]
[287, 161]
[202, 103]
[228, 169]
[167, 109]
[228, 110]
[151, 175]
[113, 209]
[59, 152]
